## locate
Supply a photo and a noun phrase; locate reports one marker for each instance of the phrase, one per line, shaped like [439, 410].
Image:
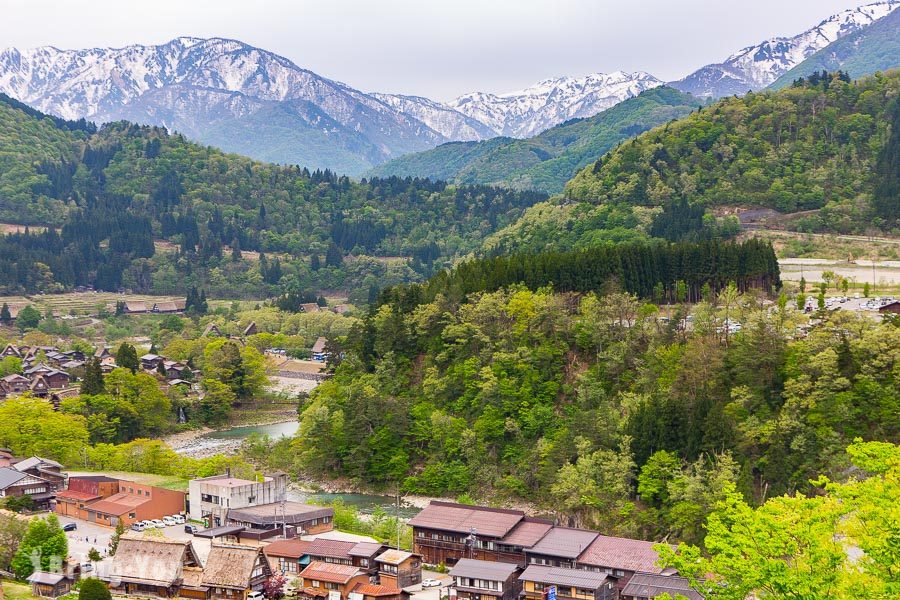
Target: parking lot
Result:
[90, 535]
[430, 593]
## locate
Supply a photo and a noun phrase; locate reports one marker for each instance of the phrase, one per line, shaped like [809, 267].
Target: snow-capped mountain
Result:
[550, 102]
[450, 123]
[756, 67]
[194, 85]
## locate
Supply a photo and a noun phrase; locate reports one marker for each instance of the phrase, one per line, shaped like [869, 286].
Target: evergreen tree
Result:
[314, 262]
[92, 384]
[5, 316]
[127, 358]
[236, 255]
[333, 257]
[161, 369]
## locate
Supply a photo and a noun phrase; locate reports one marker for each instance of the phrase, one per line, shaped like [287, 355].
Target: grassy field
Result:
[790, 244]
[16, 591]
[169, 482]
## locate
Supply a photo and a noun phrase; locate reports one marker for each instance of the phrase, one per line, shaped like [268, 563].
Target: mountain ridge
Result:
[755, 67]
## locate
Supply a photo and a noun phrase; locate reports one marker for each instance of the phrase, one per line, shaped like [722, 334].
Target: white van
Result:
[179, 519]
[167, 521]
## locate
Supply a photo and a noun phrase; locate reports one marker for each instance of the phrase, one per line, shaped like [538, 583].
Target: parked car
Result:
[70, 527]
[192, 529]
[148, 524]
[86, 567]
[139, 526]
[255, 595]
[179, 519]
[168, 521]
[158, 523]
[431, 583]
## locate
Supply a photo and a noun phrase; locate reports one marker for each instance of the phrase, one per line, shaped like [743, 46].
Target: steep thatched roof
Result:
[151, 561]
[231, 565]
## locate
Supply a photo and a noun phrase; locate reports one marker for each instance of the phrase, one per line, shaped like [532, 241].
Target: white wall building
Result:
[211, 497]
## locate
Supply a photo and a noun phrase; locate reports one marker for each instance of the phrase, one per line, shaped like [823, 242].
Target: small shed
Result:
[49, 585]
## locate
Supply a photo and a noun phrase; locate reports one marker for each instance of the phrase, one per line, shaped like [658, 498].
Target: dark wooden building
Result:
[486, 580]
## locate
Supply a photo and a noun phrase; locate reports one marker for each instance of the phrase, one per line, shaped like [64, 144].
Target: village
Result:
[233, 538]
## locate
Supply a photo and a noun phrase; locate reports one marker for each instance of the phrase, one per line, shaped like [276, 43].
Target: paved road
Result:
[431, 593]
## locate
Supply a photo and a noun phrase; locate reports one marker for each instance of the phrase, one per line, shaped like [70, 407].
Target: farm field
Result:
[80, 303]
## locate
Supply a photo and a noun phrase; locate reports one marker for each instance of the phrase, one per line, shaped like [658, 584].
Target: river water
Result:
[365, 503]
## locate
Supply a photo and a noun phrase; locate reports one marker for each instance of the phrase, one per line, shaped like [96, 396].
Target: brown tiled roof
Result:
[461, 518]
[527, 533]
[76, 495]
[370, 589]
[330, 548]
[118, 504]
[330, 572]
[621, 553]
[365, 548]
[646, 585]
[294, 548]
[564, 542]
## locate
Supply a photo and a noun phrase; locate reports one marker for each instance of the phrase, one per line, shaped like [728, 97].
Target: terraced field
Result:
[81, 303]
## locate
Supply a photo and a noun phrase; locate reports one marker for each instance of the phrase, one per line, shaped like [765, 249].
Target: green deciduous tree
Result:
[44, 546]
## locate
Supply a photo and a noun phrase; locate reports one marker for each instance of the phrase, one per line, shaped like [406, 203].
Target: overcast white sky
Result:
[435, 48]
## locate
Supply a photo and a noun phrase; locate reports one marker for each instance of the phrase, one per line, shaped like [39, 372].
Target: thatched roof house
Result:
[152, 566]
[235, 567]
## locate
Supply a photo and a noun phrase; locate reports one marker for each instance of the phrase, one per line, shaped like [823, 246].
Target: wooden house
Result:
[398, 568]
[11, 350]
[647, 586]
[133, 307]
[151, 567]
[327, 580]
[250, 329]
[560, 547]
[151, 362]
[16, 484]
[15, 383]
[44, 468]
[444, 532]
[485, 580]
[212, 330]
[570, 584]
[49, 585]
[621, 558]
[890, 308]
[232, 571]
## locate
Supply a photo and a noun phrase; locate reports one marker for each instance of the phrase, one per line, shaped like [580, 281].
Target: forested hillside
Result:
[116, 190]
[595, 407]
[813, 146]
[873, 48]
[544, 162]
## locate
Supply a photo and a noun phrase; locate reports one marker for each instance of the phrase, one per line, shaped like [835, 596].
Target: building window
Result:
[132, 515]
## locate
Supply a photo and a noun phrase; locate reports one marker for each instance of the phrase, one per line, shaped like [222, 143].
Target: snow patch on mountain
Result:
[527, 112]
[756, 67]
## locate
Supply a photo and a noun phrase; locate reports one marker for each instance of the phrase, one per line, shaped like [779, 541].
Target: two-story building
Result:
[16, 484]
[621, 558]
[569, 584]
[328, 580]
[211, 498]
[560, 547]
[397, 568]
[134, 502]
[444, 532]
[81, 491]
[150, 567]
[232, 571]
[485, 580]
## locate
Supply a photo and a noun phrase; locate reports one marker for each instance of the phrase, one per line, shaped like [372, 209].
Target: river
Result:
[365, 503]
